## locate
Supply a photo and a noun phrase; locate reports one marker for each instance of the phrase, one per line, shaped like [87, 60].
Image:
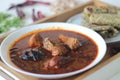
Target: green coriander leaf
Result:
[4, 16]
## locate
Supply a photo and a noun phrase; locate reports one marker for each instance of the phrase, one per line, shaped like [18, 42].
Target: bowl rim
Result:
[52, 76]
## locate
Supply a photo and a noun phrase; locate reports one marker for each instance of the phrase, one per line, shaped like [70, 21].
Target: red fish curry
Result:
[53, 52]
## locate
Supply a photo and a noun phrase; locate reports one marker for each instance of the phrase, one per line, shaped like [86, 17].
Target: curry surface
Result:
[83, 56]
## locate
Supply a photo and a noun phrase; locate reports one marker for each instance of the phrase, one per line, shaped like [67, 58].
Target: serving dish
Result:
[70, 27]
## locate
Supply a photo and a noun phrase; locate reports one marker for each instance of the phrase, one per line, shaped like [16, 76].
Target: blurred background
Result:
[17, 13]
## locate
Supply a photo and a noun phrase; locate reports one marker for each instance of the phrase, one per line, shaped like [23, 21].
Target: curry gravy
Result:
[81, 57]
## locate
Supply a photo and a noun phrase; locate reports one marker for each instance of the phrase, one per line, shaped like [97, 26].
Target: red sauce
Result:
[82, 56]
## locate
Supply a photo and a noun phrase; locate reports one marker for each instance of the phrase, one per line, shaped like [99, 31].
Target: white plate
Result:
[77, 19]
[9, 40]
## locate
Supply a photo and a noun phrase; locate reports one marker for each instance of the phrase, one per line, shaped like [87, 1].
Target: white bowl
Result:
[16, 34]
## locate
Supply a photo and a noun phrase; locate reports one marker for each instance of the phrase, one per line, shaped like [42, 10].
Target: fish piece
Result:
[34, 54]
[73, 43]
[35, 40]
[51, 64]
[55, 49]
[59, 50]
[58, 62]
[48, 44]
